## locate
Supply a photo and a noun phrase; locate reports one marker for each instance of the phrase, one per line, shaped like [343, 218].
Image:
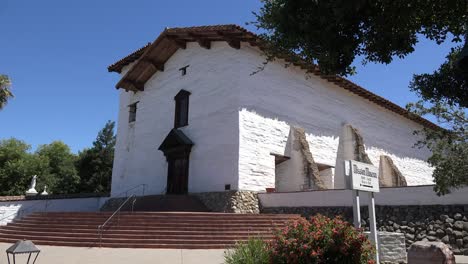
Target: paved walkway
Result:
[461, 259]
[78, 255]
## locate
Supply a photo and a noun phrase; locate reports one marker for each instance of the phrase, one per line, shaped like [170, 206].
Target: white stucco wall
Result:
[277, 97]
[13, 209]
[212, 80]
[237, 119]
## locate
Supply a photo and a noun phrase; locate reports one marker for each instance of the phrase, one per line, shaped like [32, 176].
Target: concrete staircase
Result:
[184, 230]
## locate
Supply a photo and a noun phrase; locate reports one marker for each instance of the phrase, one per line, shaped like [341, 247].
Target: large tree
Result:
[61, 162]
[17, 166]
[334, 33]
[5, 92]
[94, 165]
[449, 146]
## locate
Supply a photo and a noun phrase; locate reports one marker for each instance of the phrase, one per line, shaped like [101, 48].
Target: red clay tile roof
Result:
[152, 57]
[117, 67]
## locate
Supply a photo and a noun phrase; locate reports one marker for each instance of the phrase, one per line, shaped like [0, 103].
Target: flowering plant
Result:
[320, 240]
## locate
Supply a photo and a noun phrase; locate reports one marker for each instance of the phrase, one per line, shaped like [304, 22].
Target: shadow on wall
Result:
[333, 129]
[16, 210]
[296, 170]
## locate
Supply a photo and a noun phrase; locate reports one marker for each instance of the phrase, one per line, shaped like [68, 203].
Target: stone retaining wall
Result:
[446, 223]
[231, 201]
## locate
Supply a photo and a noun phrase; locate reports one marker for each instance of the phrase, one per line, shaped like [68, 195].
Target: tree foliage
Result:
[334, 33]
[447, 84]
[95, 164]
[56, 166]
[449, 146]
[61, 162]
[17, 166]
[5, 92]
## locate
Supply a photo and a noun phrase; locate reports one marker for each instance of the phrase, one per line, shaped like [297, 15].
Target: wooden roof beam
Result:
[181, 44]
[202, 40]
[131, 85]
[154, 64]
[204, 43]
[231, 38]
[235, 43]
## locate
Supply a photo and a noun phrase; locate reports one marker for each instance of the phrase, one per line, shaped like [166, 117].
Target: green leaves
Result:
[333, 33]
[5, 92]
[320, 240]
[446, 83]
[63, 175]
[17, 166]
[449, 147]
[94, 165]
[254, 251]
[56, 166]
[445, 95]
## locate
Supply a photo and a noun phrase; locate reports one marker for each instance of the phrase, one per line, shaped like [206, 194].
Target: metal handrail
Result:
[19, 212]
[101, 227]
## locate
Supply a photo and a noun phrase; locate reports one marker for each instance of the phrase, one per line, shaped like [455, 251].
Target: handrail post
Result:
[133, 203]
[100, 235]
[117, 211]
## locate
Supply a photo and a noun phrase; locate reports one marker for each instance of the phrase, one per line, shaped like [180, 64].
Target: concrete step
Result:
[164, 214]
[139, 229]
[155, 219]
[125, 245]
[95, 239]
[136, 234]
[127, 225]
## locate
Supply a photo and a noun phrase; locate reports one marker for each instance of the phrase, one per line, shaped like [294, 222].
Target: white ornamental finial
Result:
[33, 182]
[32, 187]
[45, 191]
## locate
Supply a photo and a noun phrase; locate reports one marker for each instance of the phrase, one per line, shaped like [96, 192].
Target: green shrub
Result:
[254, 251]
[320, 240]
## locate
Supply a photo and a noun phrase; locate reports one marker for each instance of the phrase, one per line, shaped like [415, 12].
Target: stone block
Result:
[458, 234]
[430, 252]
[459, 242]
[392, 247]
[458, 225]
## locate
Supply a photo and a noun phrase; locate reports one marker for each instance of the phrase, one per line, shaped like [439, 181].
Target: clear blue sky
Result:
[57, 52]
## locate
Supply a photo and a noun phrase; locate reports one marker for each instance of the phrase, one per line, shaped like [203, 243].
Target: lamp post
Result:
[22, 247]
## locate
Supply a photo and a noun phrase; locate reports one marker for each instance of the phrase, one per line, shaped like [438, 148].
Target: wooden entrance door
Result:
[176, 147]
[177, 175]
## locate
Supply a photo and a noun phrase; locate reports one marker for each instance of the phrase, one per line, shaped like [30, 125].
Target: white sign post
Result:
[364, 177]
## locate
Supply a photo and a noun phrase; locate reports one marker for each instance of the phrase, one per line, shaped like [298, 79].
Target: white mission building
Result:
[193, 117]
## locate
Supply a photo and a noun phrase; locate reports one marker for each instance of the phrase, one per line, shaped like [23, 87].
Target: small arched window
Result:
[181, 109]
